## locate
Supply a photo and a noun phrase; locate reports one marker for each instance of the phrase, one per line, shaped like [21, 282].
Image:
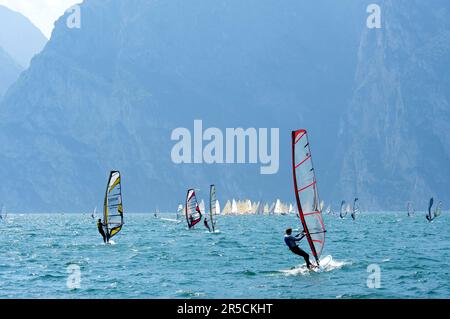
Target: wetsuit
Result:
[101, 231]
[205, 222]
[291, 242]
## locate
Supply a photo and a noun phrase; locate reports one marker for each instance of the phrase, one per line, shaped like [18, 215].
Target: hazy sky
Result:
[43, 13]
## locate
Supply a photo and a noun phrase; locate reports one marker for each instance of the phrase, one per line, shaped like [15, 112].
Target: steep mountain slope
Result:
[9, 71]
[108, 96]
[20, 38]
[396, 144]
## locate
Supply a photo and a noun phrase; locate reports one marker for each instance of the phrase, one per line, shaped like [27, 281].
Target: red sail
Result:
[193, 213]
[306, 193]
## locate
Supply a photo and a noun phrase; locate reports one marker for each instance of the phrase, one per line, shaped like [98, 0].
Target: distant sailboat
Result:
[3, 213]
[355, 208]
[179, 210]
[234, 208]
[430, 216]
[278, 210]
[94, 213]
[343, 211]
[410, 209]
[272, 209]
[249, 207]
[291, 209]
[260, 208]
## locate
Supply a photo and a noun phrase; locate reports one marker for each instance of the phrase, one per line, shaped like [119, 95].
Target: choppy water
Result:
[247, 259]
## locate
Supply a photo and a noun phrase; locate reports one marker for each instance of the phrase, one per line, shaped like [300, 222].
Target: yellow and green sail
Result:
[113, 208]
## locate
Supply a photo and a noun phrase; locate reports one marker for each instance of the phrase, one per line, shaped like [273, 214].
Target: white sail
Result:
[291, 208]
[234, 209]
[410, 209]
[217, 212]
[180, 210]
[438, 209]
[227, 208]
[272, 209]
[278, 209]
[249, 207]
[202, 206]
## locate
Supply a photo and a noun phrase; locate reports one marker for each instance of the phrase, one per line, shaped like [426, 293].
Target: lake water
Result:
[152, 258]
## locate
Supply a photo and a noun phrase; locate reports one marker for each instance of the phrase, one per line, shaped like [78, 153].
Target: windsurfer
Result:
[191, 221]
[205, 222]
[101, 230]
[429, 216]
[291, 242]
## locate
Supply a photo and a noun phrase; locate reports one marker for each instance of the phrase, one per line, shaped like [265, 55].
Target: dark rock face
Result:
[19, 38]
[396, 144]
[9, 71]
[108, 95]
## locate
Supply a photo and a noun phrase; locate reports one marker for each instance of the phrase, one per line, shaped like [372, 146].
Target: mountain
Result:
[19, 37]
[110, 94]
[9, 71]
[395, 136]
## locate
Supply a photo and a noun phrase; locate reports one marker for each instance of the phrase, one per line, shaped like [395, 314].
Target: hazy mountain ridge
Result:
[9, 71]
[396, 133]
[108, 95]
[20, 38]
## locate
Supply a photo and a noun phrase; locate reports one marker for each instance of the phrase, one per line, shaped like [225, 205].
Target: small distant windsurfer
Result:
[429, 216]
[101, 230]
[291, 242]
[205, 222]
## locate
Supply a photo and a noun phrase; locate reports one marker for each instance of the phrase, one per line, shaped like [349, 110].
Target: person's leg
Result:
[104, 236]
[297, 250]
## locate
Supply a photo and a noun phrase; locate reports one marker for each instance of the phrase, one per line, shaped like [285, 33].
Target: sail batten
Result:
[306, 193]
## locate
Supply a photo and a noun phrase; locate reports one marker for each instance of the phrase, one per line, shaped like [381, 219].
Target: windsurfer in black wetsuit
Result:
[101, 230]
[205, 222]
[191, 221]
[291, 242]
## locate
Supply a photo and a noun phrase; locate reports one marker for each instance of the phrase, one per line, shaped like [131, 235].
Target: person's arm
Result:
[302, 234]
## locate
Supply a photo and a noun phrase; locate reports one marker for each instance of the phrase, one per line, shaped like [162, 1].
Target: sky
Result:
[42, 13]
